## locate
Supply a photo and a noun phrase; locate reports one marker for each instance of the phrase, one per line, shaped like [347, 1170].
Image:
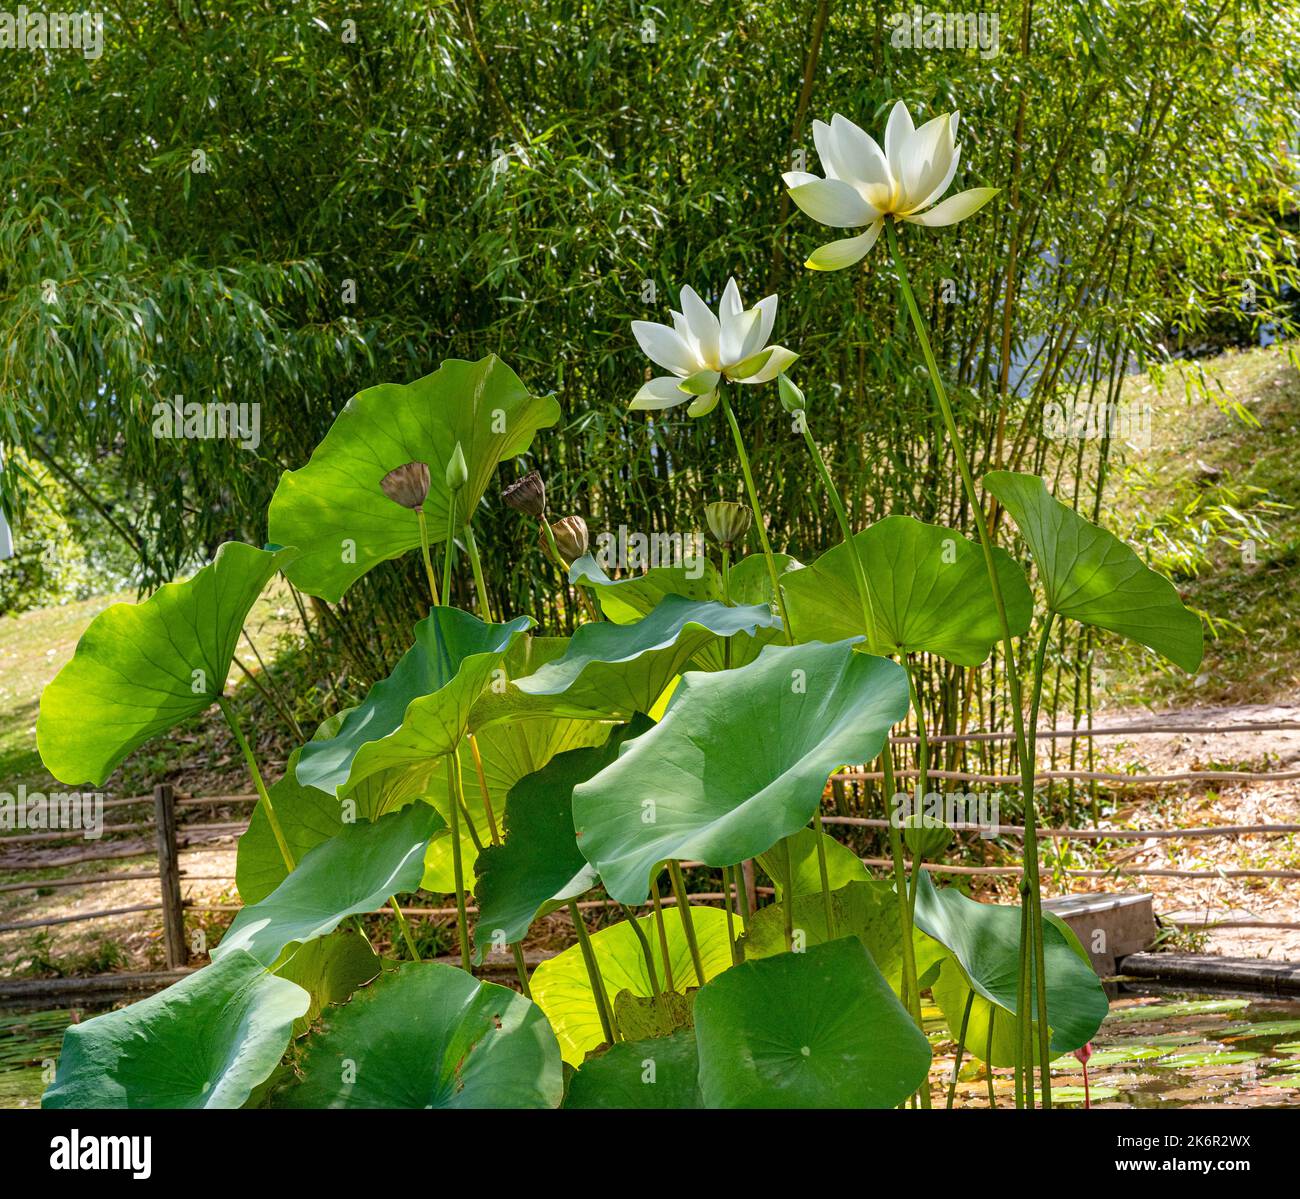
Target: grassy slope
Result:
[1203, 458]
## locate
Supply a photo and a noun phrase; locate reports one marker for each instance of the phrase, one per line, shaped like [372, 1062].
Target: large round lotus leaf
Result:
[352, 873]
[929, 590]
[983, 940]
[205, 1041]
[629, 599]
[539, 862]
[509, 750]
[561, 988]
[866, 910]
[429, 1036]
[843, 866]
[421, 710]
[334, 507]
[329, 970]
[739, 761]
[657, 1074]
[614, 671]
[818, 1029]
[141, 669]
[1091, 576]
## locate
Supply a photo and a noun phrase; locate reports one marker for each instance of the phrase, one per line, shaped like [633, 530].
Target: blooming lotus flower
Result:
[865, 184]
[701, 349]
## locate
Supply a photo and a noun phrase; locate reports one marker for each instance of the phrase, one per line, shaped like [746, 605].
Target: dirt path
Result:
[1197, 805]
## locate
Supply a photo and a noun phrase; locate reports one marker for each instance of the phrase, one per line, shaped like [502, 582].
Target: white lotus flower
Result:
[865, 184]
[701, 349]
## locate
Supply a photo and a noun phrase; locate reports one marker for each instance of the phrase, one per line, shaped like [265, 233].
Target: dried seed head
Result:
[728, 522]
[407, 485]
[527, 495]
[570, 538]
[457, 472]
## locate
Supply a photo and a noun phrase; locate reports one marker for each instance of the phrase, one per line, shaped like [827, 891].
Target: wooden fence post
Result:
[164, 806]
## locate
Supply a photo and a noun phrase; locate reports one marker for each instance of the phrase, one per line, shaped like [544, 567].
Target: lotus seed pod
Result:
[926, 837]
[570, 538]
[407, 485]
[728, 522]
[791, 397]
[457, 472]
[526, 495]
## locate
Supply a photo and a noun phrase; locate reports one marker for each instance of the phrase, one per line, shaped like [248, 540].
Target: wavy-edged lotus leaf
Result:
[983, 940]
[539, 863]
[1091, 576]
[334, 507]
[205, 1041]
[419, 711]
[329, 969]
[929, 592]
[626, 600]
[509, 751]
[561, 988]
[843, 866]
[739, 761]
[866, 910]
[352, 873]
[141, 669]
[429, 1036]
[657, 1074]
[613, 671]
[815, 1029]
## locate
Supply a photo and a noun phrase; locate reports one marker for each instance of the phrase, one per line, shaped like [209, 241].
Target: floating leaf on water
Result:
[1193, 1061]
[1076, 1094]
[1167, 1011]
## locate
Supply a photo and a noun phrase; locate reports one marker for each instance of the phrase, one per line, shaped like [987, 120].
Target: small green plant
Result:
[696, 717]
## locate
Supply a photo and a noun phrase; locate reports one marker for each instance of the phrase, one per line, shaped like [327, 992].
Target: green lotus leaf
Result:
[336, 511]
[509, 751]
[818, 1029]
[739, 761]
[429, 1036]
[1091, 576]
[141, 669]
[539, 862]
[614, 671]
[205, 1041]
[421, 710]
[843, 866]
[626, 600]
[561, 988]
[330, 969]
[658, 1074]
[983, 940]
[866, 910]
[929, 591]
[352, 873]
[637, 1017]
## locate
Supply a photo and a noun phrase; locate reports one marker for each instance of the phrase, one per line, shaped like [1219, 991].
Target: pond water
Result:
[1158, 1048]
[1170, 1048]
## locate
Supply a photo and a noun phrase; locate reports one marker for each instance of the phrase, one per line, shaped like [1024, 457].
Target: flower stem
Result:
[451, 547]
[758, 514]
[237, 730]
[646, 953]
[483, 788]
[663, 933]
[521, 969]
[454, 802]
[405, 927]
[593, 973]
[961, 1047]
[688, 921]
[480, 586]
[428, 561]
[1027, 764]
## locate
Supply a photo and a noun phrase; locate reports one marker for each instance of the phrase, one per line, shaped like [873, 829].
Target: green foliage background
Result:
[191, 212]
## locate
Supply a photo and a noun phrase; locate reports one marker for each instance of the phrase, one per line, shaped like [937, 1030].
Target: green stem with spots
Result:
[688, 921]
[244, 748]
[593, 973]
[428, 560]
